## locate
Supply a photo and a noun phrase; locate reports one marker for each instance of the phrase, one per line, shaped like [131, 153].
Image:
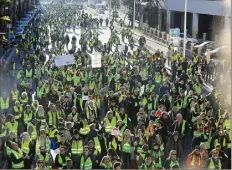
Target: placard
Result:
[64, 60]
[96, 60]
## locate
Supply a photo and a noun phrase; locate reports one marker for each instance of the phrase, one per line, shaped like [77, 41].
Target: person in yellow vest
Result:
[14, 95]
[39, 90]
[91, 110]
[76, 149]
[46, 157]
[40, 165]
[17, 110]
[94, 153]
[24, 100]
[172, 160]
[62, 157]
[43, 140]
[31, 129]
[27, 115]
[53, 115]
[105, 163]
[12, 125]
[4, 103]
[53, 136]
[86, 161]
[109, 122]
[17, 157]
[28, 151]
[126, 147]
[214, 161]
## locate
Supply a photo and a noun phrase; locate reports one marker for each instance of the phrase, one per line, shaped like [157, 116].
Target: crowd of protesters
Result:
[131, 116]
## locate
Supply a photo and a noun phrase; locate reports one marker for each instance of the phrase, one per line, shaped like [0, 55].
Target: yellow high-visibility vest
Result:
[97, 144]
[4, 104]
[110, 125]
[27, 117]
[34, 132]
[18, 155]
[15, 95]
[18, 111]
[25, 146]
[12, 127]
[86, 164]
[212, 165]
[28, 73]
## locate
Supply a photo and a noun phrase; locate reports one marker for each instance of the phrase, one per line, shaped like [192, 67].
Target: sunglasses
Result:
[61, 150]
[85, 150]
[174, 154]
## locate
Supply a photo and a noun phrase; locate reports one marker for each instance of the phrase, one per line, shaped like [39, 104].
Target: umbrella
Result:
[6, 18]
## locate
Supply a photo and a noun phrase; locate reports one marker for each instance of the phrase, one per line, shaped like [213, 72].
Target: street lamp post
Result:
[185, 23]
[134, 16]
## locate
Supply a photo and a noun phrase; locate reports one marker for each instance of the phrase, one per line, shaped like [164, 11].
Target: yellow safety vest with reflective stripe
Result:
[126, 147]
[4, 104]
[29, 74]
[39, 91]
[18, 155]
[34, 132]
[47, 145]
[119, 117]
[77, 147]
[76, 80]
[45, 159]
[18, 112]
[15, 95]
[97, 144]
[110, 124]
[52, 133]
[174, 163]
[27, 117]
[25, 146]
[86, 164]
[24, 100]
[212, 165]
[158, 78]
[85, 130]
[12, 127]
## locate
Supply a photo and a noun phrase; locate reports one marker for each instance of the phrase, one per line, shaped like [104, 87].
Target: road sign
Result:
[174, 31]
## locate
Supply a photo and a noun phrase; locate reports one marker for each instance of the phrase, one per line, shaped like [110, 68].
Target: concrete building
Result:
[204, 16]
